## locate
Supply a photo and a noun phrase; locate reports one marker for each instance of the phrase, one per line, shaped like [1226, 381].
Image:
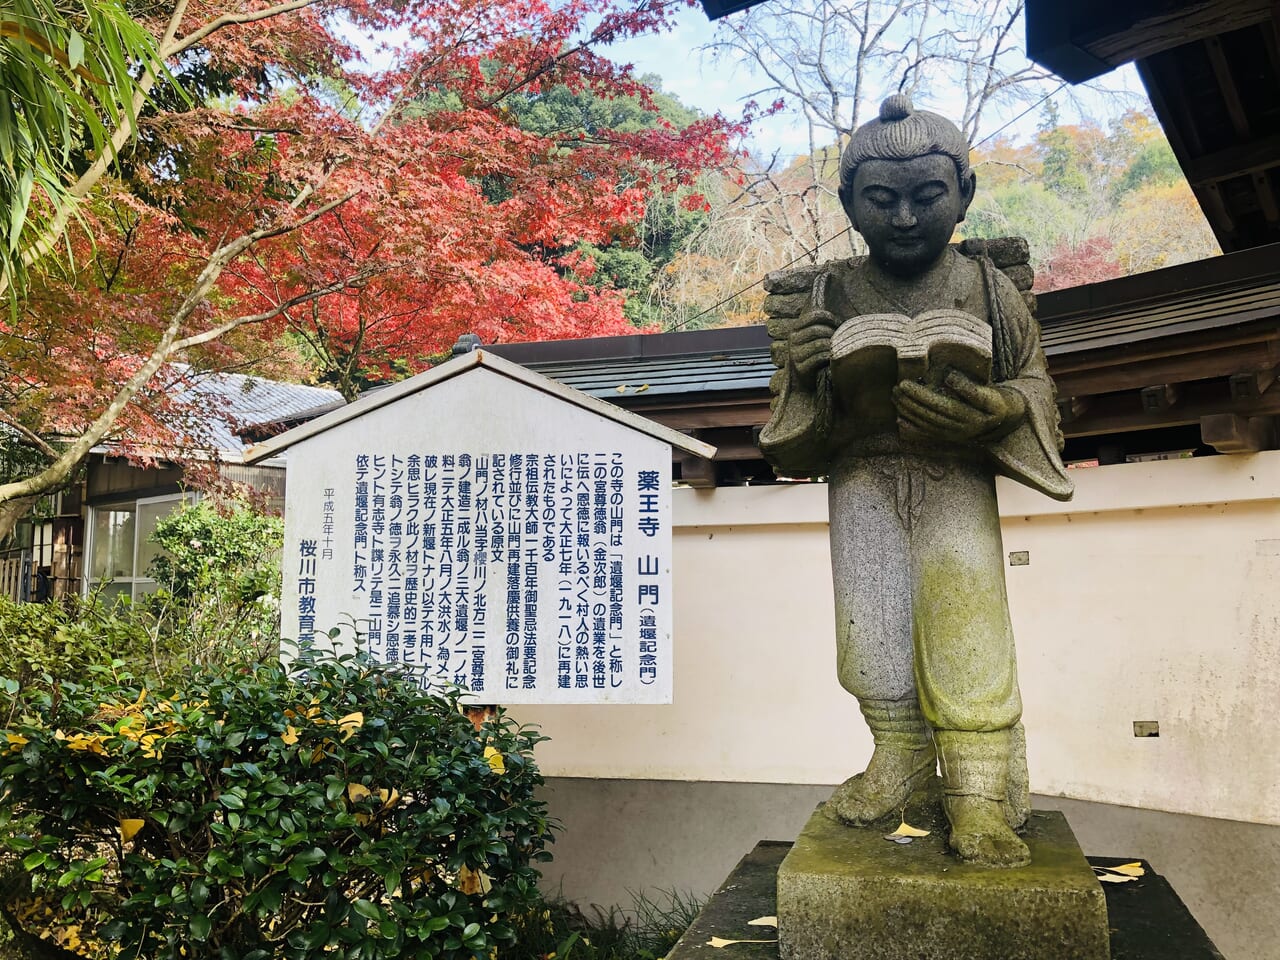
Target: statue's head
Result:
[905, 183]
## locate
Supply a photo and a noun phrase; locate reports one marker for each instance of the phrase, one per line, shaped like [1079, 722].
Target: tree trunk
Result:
[11, 511]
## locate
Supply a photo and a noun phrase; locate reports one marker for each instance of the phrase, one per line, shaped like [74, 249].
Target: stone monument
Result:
[910, 378]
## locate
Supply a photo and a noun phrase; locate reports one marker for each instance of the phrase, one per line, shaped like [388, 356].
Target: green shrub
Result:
[66, 638]
[218, 581]
[331, 808]
[217, 602]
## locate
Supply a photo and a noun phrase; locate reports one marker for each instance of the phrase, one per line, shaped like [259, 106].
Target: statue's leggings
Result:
[921, 608]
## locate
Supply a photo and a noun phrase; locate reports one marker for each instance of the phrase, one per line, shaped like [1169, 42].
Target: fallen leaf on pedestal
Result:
[1121, 874]
[721, 942]
[763, 922]
[906, 833]
[1134, 869]
[1113, 878]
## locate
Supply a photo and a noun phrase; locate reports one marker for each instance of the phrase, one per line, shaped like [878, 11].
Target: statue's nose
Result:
[903, 217]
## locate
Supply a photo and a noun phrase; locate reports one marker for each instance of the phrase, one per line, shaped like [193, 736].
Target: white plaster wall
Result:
[1155, 595]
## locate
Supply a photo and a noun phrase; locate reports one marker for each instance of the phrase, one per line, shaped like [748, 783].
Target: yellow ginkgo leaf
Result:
[473, 881]
[357, 792]
[1134, 869]
[496, 763]
[350, 724]
[289, 737]
[719, 942]
[389, 798]
[906, 830]
[1114, 878]
[129, 827]
[763, 922]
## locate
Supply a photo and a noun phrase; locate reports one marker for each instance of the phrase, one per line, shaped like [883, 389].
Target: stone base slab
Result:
[846, 893]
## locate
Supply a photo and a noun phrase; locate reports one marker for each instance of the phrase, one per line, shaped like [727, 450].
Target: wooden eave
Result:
[1212, 71]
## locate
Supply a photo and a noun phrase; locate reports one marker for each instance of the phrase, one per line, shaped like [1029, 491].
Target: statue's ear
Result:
[968, 186]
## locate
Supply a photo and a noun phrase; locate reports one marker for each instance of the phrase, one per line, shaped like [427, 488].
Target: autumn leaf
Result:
[357, 792]
[1125, 873]
[129, 828]
[905, 833]
[496, 762]
[88, 742]
[350, 724]
[763, 922]
[16, 742]
[290, 736]
[720, 942]
[473, 881]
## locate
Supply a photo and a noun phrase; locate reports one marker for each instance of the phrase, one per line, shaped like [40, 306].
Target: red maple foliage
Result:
[1090, 261]
[378, 207]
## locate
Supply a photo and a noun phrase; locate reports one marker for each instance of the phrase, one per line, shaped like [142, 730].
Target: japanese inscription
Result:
[525, 556]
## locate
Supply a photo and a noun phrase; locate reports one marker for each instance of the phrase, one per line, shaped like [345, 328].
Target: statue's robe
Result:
[917, 560]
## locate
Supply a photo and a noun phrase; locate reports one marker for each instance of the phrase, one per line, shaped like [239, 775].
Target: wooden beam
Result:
[1251, 386]
[1098, 378]
[1272, 38]
[742, 413]
[1227, 87]
[696, 471]
[1122, 412]
[1159, 398]
[1261, 337]
[1168, 97]
[1232, 433]
[1165, 25]
[1071, 408]
[1266, 196]
[1261, 153]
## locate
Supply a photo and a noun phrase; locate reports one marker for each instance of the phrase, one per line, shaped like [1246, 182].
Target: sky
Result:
[688, 73]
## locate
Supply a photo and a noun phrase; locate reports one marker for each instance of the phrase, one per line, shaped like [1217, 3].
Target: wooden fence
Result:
[12, 581]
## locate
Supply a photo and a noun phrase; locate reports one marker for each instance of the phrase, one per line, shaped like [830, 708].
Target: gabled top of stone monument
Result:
[462, 365]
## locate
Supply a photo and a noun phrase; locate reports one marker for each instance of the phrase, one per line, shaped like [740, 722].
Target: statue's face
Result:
[907, 210]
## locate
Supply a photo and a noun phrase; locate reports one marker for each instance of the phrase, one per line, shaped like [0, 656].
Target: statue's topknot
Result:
[901, 132]
[897, 107]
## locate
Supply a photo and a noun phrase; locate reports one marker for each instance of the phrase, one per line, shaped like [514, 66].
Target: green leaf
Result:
[310, 857]
[200, 926]
[33, 860]
[75, 49]
[232, 801]
[370, 911]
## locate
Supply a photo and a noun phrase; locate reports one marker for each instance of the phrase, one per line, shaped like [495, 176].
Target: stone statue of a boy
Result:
[922, 620]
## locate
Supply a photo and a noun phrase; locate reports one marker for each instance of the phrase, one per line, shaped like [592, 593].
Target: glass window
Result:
[113, 538]
[120, 549]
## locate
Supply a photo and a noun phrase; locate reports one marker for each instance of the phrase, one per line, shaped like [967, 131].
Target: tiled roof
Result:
[238, 401]
[627, 377]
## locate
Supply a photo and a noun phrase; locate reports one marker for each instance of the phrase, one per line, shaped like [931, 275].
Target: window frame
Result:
[90, 583]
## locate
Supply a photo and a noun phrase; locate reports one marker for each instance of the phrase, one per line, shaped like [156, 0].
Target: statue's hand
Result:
[961, 410]
[810, 344]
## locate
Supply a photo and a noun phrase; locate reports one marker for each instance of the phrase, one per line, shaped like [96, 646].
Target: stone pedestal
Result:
[848, 894]
[1148, 921]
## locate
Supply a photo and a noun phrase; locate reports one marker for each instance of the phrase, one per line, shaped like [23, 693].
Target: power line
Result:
[808, 254]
